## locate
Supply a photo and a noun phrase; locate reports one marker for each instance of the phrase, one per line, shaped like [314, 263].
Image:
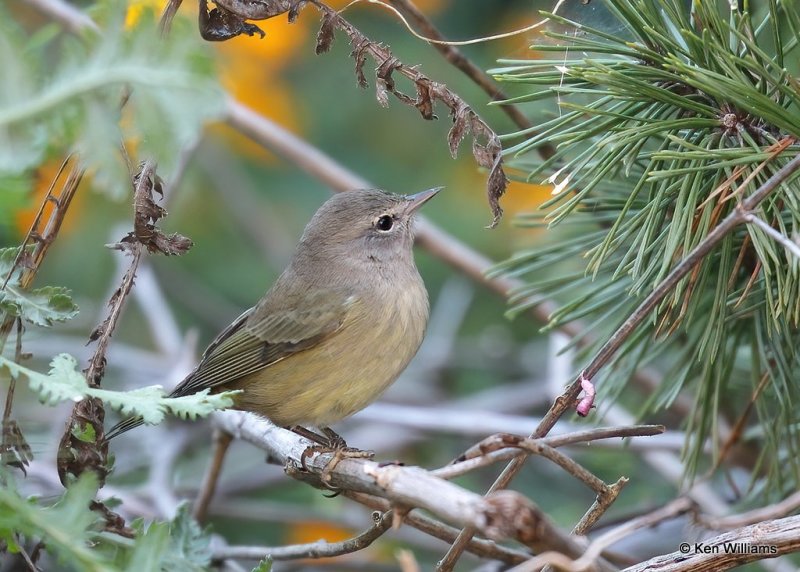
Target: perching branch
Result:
[506, 515]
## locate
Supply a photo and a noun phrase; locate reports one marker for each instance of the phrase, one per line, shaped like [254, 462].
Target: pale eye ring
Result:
[384, 223]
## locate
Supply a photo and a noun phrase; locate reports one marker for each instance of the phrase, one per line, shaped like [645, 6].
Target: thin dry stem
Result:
[41, 234]
[598, 545]
[220, 443]
[319, 549]
[478, 546]
[777, 510]
[457, 58]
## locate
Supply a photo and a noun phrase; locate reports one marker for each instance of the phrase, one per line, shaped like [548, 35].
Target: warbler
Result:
[337, 328]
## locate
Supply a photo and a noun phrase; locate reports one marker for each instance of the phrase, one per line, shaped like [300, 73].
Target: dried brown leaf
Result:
[325, 34]
[146, 214]
[385, 71]
[459, 129]
[114, 523]
[385, 83]
[424, 101]
[382, 92]
[359, 54]
[76, 455]
[294, 11]
[490, 156]
[496, 186]
[95, 334]
[483, 156]
[172, 245]
[14, 449]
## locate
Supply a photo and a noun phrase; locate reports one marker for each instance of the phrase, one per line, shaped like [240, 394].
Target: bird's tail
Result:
[123, 426]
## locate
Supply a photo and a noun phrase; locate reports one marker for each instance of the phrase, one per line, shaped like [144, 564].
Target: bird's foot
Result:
[329, 442]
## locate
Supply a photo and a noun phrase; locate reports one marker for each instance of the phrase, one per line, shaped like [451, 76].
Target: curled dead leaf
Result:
[424, 101]
[294, 11]
[382, 92]
[496, 186]
[359, 54]
[459, 129]
[325, 35]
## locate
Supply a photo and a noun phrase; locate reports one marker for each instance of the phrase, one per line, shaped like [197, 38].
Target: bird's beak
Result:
[417, 200]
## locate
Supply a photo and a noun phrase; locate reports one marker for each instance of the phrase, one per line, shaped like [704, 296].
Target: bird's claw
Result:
[339, 453]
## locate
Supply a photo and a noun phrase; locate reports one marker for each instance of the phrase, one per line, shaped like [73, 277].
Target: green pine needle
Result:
[659, 133]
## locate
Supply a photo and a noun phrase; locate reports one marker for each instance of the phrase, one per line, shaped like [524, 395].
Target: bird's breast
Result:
[350, 368]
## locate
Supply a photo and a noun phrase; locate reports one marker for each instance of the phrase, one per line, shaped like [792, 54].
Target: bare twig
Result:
[598, 545]
[756, 542]
[464, 465]
[604, 500]
[535, 447]
[457, 58]
[41, 235]
[504, 440]
[567, 399]
[77, 455]
[220, 443]
[25, 556]
[319, 549]
[777, 510]
[478, 546]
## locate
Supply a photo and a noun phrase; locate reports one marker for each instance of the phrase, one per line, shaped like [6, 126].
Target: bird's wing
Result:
[261, 337]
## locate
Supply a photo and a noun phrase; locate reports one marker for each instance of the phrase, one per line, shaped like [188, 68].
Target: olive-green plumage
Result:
[338, 326]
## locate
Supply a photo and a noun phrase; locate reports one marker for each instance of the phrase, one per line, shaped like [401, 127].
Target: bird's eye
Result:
[385, 223]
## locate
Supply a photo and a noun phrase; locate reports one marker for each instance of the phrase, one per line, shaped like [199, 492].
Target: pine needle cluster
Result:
[663, 127]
